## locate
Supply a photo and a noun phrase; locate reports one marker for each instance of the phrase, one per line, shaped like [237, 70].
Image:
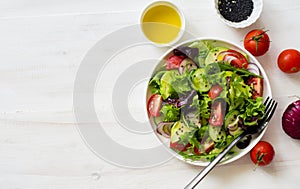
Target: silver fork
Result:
[271, 106]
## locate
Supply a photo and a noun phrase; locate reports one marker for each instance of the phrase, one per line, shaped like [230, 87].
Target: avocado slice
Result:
[213, 55]
[178, 129]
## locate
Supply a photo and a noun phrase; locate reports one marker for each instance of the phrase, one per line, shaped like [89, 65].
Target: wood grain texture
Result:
[42, 44]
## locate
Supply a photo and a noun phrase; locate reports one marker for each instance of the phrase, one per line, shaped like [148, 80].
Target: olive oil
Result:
[161, 23]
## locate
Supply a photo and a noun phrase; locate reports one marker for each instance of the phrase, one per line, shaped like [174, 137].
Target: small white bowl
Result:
[257, 9]
[171, 4]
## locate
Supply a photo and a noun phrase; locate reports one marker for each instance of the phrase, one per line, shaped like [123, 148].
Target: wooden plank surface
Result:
[42, 45]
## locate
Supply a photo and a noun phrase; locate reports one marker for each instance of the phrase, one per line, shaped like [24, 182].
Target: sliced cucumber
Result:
[213, 54]
[231, 120]
[236, 132]
[232, 123]
[216, 133]
[212, 68]
[199, 80]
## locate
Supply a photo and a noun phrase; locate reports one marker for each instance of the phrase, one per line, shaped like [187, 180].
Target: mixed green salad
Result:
[203, 97]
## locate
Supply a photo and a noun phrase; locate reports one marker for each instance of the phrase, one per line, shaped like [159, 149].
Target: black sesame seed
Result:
[235, 10]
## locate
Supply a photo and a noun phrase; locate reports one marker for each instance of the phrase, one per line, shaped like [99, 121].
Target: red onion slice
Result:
[164, 128]
[187, 65]
[253, 68]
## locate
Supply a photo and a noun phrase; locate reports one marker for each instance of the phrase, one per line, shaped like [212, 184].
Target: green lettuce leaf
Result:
[172, 84]
[238, 92]
[155, 83]
[203, 47]
[170, 113]
[204, 109]
[253, 109]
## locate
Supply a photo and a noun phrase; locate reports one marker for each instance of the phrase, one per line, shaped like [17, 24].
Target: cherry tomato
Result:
[174, 61]
[179, 146]
[234, 57]
[289, 61]
[215, 91]
[257, 86]
[182, 148]
[207, 148]
[257, 42]
[218, 109]
[154, 105]
[262, 153]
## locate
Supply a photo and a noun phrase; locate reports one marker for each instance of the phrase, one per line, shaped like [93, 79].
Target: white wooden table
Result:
[42, 44]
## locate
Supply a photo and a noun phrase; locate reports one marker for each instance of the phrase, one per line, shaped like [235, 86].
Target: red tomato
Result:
[215, 91]
[257, 42]
[154, 105]
[257, 86]
[178, 146]
[209, 146]
[289, 61]
[262, 153]
[173, 62]
[218, 109]
[234, 57]
[182, 148]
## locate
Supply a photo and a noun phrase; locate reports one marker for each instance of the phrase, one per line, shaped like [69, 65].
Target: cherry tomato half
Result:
[174, 61]
[179, 146]
[257, 42]
[215, 91]
[257, 86]
[182, 148]
[154, 105]
[262, 153]
[218, 109]
[289, 61]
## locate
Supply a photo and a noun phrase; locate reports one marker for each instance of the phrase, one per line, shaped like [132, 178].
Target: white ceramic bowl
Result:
[257, 9]
[266, 92]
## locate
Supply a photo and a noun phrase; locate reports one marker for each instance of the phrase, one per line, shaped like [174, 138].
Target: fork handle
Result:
[193, 183]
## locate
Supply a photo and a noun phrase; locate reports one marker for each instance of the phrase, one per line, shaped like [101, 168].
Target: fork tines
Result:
[271, 106]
